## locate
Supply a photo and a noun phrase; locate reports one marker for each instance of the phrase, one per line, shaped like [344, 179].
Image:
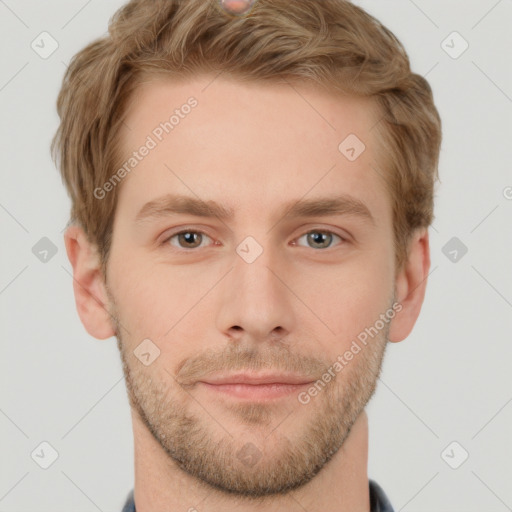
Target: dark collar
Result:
[379, 502]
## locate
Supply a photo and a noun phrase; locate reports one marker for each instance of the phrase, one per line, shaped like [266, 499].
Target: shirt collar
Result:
[379, 502]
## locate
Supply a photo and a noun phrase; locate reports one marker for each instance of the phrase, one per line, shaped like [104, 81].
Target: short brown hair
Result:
[330, 42]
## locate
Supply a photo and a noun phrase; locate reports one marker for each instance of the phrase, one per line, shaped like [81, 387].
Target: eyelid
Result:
[326, 228]
[182, 229]
[344, 239]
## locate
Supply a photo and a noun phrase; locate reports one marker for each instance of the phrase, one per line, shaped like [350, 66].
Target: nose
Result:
[254, 301]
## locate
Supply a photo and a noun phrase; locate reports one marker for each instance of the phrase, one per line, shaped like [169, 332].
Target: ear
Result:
[88, 285]
[410, 286]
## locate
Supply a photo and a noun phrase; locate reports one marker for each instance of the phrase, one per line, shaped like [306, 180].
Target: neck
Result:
[341, 486]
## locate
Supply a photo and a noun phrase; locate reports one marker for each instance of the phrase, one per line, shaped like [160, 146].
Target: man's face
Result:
[251, 292]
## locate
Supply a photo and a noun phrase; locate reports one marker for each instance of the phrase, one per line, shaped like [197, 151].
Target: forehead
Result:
[238, 143]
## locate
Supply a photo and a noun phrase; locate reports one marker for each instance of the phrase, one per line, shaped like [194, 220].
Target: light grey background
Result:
[449, 381]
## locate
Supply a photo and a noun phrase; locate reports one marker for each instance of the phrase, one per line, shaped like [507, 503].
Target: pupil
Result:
[189, 238]
[319, 238]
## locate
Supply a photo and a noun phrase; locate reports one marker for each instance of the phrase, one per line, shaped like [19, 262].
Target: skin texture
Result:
[297, 307]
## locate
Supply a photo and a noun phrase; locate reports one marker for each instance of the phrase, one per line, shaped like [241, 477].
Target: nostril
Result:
[278, 333]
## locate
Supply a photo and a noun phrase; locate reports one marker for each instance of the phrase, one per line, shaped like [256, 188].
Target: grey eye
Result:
[319, 239]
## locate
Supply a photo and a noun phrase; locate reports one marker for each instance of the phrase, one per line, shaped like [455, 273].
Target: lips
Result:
[253, 387]
[258, 379]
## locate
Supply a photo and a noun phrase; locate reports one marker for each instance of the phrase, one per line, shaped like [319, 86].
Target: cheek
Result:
[147, 303]
[165, 304]
[351, 299]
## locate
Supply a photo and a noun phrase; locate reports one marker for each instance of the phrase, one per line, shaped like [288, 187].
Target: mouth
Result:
[256, 387]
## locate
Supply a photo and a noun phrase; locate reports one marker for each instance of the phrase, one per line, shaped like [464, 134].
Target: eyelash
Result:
[195, 231]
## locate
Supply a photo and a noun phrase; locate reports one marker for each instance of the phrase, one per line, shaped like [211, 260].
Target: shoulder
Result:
[129, 505]
[379, 502]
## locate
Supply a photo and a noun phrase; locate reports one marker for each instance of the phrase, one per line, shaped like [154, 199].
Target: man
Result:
[252, 185]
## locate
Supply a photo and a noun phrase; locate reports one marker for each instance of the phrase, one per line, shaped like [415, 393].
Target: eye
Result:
[193, 239]
[320, 239]
[187, 239]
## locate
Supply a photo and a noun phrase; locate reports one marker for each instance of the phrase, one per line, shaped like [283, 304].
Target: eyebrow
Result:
[171, 204]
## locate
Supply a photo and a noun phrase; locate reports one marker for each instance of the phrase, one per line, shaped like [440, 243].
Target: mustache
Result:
[235, 359]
